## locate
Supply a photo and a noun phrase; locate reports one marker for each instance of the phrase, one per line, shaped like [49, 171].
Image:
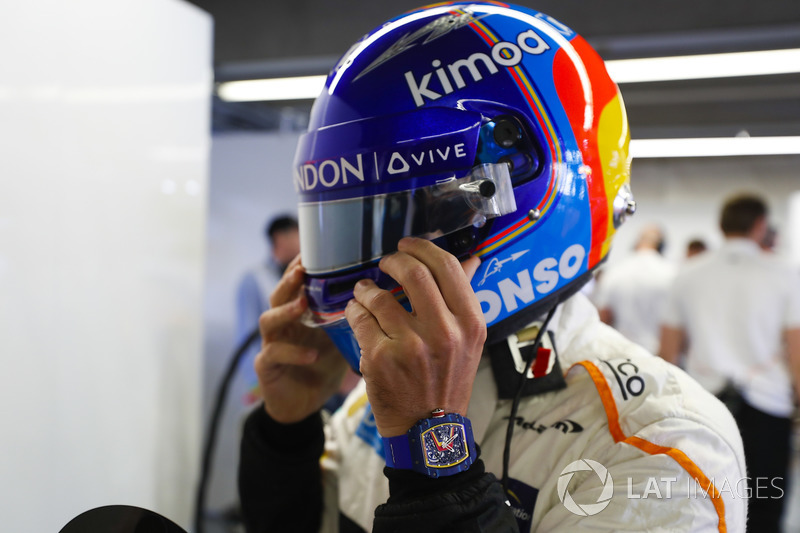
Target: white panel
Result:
[104, 121]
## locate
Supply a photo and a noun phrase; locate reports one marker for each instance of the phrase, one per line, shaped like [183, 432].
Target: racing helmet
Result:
[488, 128]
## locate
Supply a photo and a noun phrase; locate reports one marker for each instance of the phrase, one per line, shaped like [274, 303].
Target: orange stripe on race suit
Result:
[610, 406]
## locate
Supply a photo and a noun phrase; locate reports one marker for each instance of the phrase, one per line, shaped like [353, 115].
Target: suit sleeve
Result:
[471, 501]
[280, 488]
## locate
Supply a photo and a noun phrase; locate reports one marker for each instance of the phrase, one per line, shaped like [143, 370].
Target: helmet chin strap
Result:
[551, 304]
[518, 396]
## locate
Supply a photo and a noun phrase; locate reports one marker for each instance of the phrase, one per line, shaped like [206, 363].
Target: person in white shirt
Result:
[630, 294]
[737, 313]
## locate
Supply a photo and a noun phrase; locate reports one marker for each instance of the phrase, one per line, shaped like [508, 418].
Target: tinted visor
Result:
[340, 234]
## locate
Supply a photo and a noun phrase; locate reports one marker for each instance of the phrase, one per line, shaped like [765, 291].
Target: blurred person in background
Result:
[736, 311]
[695, 247]
[631, 293]
[769, 240]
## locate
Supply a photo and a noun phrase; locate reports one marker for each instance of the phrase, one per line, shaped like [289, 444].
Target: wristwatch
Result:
[442, 445]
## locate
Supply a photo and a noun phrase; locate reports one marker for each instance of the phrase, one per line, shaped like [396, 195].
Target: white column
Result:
[104, 134]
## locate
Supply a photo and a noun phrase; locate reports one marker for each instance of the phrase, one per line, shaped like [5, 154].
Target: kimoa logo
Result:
[548, 272]
[586, 509]
[504, 54]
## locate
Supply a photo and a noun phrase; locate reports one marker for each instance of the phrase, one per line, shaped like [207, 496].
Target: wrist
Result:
[396, 429]
[394, 426]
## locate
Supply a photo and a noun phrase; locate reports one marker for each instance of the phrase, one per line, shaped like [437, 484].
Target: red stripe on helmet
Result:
[577, 101]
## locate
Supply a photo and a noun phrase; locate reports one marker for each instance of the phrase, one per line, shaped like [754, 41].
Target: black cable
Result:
[211, 436]
[515, 404]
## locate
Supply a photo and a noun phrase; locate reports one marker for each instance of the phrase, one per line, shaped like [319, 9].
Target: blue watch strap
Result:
[397, 451]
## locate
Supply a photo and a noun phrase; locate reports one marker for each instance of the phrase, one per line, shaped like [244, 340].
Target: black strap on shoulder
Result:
[506, 374]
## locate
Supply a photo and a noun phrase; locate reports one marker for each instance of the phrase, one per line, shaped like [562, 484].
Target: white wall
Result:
[104, 121]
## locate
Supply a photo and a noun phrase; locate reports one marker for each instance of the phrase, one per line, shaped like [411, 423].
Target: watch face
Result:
[444, 445]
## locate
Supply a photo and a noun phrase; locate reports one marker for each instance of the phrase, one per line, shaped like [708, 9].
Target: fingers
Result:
[418, 283]
[281, 316]
[470, 266]
[385, 314]
[296, 260]
[287, 353]
[365, 326]
[289, 285]
[451, 277]
[279, 344]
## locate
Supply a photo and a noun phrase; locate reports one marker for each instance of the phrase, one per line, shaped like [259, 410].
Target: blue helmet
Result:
[489, 129]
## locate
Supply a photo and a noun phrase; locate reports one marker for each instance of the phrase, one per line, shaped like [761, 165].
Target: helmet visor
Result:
[340, 234]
